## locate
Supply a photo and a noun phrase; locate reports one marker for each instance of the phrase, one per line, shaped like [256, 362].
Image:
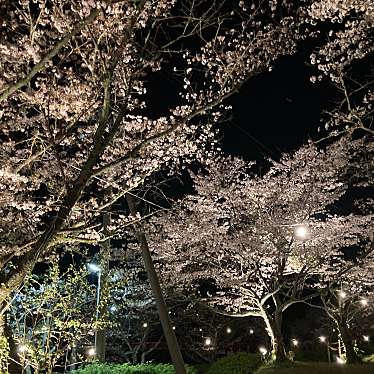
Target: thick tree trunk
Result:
[350, 353]
[274, 329]
[171, 340]
[278, 346]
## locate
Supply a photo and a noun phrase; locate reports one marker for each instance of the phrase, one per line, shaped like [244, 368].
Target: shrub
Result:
[239, 363]
[102, 368]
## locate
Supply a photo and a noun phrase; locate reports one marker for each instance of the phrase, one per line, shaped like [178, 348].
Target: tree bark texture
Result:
[171, 340]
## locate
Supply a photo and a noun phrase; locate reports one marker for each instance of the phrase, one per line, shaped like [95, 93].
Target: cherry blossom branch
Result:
[53, 52]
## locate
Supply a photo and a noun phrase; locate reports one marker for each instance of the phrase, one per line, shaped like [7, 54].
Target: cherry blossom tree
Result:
[347, 298]
[346, 31]
[262, 239]
[76, 134]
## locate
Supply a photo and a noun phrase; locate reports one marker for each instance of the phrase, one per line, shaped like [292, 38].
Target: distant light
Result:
[364, 302]
[340, 361]
[93, 267]
[145, 324]
[263, 350]
[91, 352]
[322, 339]
[22, 348]
[366, 338]
[228, 330]
[173, 327]
[342, 294]
[251, 331]
[301, 232]
[295, 342]
[208, 341]
[200, 330]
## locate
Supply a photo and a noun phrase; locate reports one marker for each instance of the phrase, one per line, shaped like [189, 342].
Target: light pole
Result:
[323, 339]
[96, 269]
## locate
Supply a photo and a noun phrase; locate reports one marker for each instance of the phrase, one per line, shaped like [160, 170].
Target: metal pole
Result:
[97, 304]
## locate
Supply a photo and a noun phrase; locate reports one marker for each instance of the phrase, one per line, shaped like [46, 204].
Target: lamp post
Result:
[96, 269]
[323, 339]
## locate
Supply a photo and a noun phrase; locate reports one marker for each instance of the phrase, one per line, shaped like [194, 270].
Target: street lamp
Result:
[94, 268]
[323, 339]
[208, 341]
[301, 231]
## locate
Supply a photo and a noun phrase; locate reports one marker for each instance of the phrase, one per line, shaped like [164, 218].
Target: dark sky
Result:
[274, 112]
[277, 111]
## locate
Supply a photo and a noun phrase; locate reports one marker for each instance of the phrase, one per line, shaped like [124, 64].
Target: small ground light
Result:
[145, 324]
[208, 341]
[263, 350]
[251, 331]
[366, 338]
[295, 342]
[22, 348]
[340, 361]
[91, 352]
[322, 338]
[228, 330]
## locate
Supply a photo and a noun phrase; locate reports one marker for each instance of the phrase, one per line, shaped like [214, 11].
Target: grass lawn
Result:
[316, 368]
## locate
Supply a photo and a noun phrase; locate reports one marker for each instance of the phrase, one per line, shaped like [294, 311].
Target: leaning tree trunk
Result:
[274, 329]
[350, 353]
[171, 339]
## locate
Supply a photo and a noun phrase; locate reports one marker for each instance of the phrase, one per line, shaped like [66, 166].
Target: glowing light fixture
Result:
[342, 294]
[301, 231]
[322, 339]
[228, 330]
[91, 352]
[93, 267]
[22, 348]
[366, 338]
[295, 342]
[145, 324]
[340, 361]
[251, 331]
[263, 350]
[208, 341]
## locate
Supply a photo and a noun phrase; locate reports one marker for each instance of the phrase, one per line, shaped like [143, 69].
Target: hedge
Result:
[102, 368]
[239, 363]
